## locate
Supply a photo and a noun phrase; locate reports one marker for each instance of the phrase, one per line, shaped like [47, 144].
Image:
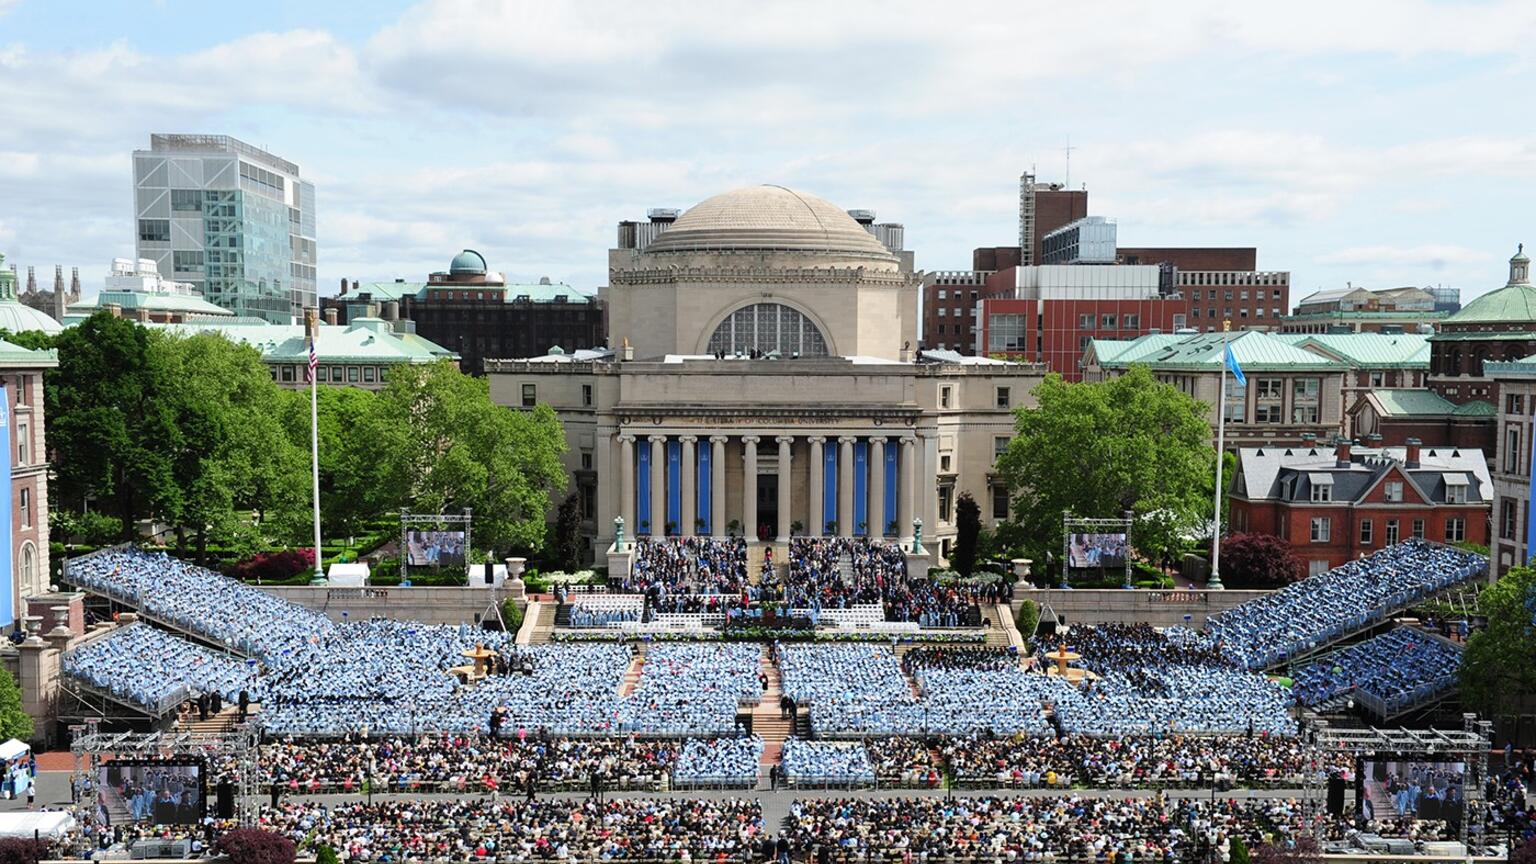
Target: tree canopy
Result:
[445, 446]
[1096, 449]
[1498, 670]
[1259, 561]
[15, 722]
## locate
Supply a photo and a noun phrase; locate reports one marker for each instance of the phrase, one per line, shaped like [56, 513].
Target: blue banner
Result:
[7, 574]
[643, 488]
[829, 485]
[892, 452]
[675, 488]
[861, 526]
[706, 479]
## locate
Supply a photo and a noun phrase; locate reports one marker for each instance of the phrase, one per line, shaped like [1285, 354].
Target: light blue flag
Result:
[1237, 371]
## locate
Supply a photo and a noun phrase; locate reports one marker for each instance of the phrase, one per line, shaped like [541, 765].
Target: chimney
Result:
[343, 286]
[392, 310]
[1411, 457]
[58, 292]
[31, 280]
[115, 310]
[141, 315]
[1341, 452]
[1308, 439]
[330, 315]
[1374, 439]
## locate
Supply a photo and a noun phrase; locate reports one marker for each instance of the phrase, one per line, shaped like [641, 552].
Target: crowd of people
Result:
[458, 762]
[1399, 668]
[154, 669]
[841, 572]
[514, 829]
[719, 762]
[671, 571]
[827, 763]
[1071, 828]
[1315, 611]
[1138, 761]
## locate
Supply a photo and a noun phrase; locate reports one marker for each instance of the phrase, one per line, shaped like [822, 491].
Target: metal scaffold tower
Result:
[228, 756]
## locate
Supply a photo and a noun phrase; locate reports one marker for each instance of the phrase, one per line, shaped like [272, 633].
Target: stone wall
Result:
[1158, 608]
[429, 605]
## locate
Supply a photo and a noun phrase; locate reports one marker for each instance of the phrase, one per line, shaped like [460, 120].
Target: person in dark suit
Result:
[245, 704]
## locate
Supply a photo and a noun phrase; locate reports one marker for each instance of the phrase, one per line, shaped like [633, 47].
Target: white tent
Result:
[13, 749]
[45, 823]
[354, 575]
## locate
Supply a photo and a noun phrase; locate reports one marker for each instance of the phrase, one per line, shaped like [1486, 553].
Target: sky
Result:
[1375, 142]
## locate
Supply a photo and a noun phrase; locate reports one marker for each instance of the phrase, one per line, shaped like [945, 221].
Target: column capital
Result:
[908, 441]
[719, 439]
[751, 439]
[656, 439]
[878, 439]
[626, 439]
[784, 439]
[847, 439]
[817, 439]
[689, 439]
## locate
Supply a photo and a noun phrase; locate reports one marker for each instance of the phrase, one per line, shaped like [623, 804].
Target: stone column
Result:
[717, 485]
[818, 517]
[749, 486]
[687, 510]
[785, 457]
[904, 470]
[845, 486]
[658, 485]
[607, 508]
[627, 483]
[927, 488]
[877, 514]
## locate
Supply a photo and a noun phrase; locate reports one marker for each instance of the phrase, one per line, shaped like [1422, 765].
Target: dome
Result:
[769, 218]
[18, 317]
[1515, 302]
[467, 263]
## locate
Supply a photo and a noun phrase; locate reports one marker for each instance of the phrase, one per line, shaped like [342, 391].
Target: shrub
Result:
[512, 614]
[1238, 854]
[255, 846]
[326, 855]
[1027, 618]
[274, 566]
[21, 850]
[1259, 561]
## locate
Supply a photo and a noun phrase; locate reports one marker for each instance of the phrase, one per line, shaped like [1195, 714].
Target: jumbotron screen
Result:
[434, 548]
[1095, 551]
[153, 791]
[1408, 786]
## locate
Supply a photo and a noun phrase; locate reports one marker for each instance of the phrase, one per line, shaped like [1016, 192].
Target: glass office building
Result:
[232, 219]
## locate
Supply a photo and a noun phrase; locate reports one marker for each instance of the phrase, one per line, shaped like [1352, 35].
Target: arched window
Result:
[28, 566]
[768, 327]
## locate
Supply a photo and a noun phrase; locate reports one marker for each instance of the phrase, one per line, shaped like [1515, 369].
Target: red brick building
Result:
[1336, 503]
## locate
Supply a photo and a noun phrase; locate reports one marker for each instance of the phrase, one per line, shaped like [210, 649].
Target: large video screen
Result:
[1094, 551]
[1394, 786]
[434, 548]
[155, 791]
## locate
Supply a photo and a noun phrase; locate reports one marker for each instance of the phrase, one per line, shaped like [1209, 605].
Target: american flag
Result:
[314, 360]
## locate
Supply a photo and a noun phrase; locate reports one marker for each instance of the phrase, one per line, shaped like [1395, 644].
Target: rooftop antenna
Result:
[1069, 149]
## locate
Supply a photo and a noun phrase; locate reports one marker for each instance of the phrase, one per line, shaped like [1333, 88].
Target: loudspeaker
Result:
[490, 573]
[224, 806]
[1336, 797]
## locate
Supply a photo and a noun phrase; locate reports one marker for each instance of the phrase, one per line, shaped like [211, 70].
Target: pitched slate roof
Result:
[1288, 473]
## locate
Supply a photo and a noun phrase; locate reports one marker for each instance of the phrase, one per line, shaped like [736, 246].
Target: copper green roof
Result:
[1368, 350]
[14, 356]
[1425, 403]
[1202, 352]
[364, 340]
[1512, 303]
[1522, 368]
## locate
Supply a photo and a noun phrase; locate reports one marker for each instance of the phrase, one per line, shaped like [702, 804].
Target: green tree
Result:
[968, 530]
[354, 486]
[567, 550]
[234, 464]
[35, 340]
[14, 721]
[446, 446]
[1498, 670]
[1097, 449]
[1260, 561]
[112, 423]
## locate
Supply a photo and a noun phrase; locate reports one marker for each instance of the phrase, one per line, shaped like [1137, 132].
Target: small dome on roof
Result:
[467, 263]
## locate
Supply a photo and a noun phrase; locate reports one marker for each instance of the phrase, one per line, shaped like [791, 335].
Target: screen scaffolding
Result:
[228, 755]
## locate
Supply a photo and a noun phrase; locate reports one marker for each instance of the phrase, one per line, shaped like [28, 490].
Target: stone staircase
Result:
[544, 624]
[632, 675]
[766, 722]
[996, 618]
[221, 722]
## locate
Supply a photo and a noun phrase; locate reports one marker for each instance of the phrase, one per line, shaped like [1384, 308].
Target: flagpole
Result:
[1214, 583]
[314, 439]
